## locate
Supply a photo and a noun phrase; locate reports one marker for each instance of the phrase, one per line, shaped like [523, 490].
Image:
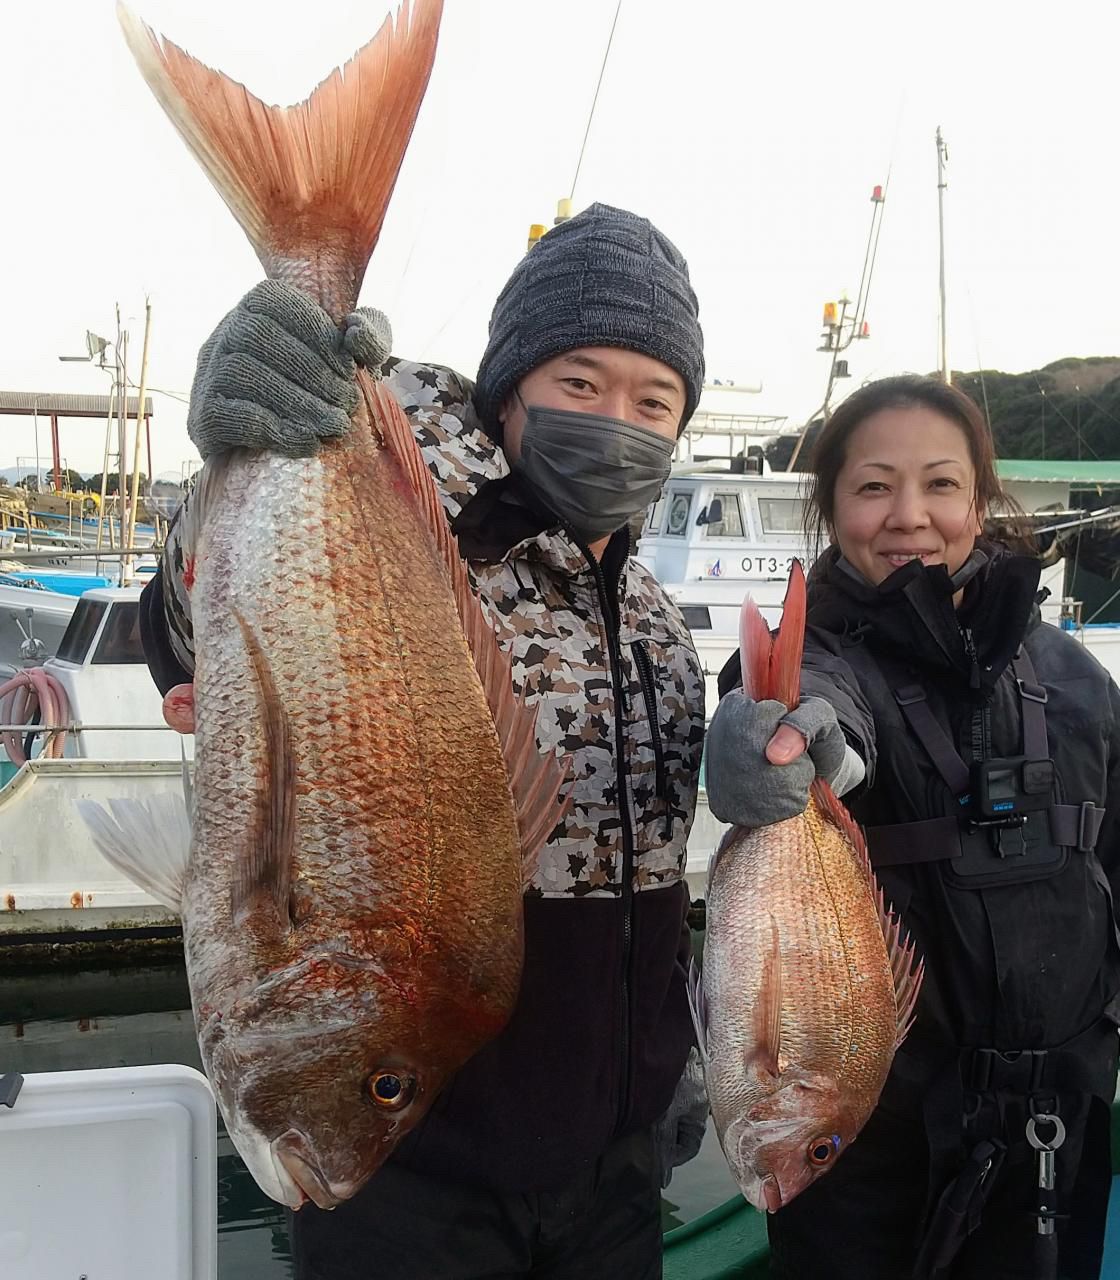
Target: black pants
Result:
[861, 1220]
[605, 1225]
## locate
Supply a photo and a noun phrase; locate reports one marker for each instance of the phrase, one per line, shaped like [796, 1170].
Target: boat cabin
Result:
[100, 663]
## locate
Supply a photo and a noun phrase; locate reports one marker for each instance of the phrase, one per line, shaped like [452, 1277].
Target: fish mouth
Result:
[771, 1194]
[300, 1173]
[763, 1192]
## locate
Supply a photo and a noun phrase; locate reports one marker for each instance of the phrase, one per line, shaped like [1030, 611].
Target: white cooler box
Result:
[109, 1175]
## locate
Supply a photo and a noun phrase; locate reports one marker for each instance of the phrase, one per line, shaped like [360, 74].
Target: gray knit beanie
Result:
[605, 278]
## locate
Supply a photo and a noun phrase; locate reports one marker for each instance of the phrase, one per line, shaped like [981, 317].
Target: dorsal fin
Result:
[186, 531]
[900, 947]
[535, 777]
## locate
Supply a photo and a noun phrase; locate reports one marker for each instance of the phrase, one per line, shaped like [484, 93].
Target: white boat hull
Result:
[53, 880]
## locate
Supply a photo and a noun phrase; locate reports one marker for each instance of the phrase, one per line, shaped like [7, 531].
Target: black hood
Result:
[911, 613]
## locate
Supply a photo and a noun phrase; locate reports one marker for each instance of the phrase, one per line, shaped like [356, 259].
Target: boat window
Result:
[781, 515]
[80, 631]
[679, 506]
[730, 522]
[696, 617]
[654, 516]
[120, 641]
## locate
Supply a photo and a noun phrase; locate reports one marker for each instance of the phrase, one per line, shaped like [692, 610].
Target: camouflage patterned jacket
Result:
[601, 1032]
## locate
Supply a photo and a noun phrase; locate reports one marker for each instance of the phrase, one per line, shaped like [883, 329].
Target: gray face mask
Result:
[595, 472]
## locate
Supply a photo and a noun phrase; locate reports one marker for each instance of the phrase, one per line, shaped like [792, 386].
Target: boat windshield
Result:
[120, 641]
[80, 632]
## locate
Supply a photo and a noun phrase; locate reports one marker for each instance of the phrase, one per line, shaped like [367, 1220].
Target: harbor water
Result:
[66, 1020]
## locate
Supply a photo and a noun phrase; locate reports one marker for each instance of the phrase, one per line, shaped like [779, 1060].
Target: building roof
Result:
[1092, 473]
[67, 406]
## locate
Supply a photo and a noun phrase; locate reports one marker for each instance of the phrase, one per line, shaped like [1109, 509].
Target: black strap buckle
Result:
[911, 693]
[1088, 827]
[1017, 1070]
[1032, 692]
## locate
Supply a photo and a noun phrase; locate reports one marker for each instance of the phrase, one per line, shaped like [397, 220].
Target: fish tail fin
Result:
[147, 841]
[772, 665]
[311, 177]
[536, 777]
[755, 644]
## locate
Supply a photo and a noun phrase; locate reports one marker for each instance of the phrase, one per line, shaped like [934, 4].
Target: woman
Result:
[984, 749]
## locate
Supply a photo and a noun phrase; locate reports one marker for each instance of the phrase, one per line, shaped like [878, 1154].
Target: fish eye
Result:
[821, 1150]
[390, 1090]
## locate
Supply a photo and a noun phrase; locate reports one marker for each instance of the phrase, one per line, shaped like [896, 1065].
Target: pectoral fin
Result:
[266, 867]
[768, 1012]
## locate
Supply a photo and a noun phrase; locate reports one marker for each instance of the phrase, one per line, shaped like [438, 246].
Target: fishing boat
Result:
[720, 532]
[110, 743]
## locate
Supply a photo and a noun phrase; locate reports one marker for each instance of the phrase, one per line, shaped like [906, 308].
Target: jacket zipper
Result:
[981, 718]
[645, 677]
[614, 657]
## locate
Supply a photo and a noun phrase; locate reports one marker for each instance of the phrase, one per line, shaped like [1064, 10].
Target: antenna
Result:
[942, 161]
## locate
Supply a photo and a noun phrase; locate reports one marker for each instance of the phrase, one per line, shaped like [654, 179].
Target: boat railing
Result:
[79, 553]
[79, 726]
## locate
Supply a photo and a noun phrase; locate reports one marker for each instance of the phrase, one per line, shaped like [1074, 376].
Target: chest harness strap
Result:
[1074, 826]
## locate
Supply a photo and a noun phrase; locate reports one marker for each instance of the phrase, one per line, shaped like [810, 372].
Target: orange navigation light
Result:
[830, 315]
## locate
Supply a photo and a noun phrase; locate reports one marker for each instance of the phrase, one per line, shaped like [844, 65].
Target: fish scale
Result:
[807, 989]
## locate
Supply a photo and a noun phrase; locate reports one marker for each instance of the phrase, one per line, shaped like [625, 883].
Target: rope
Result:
[30, 692]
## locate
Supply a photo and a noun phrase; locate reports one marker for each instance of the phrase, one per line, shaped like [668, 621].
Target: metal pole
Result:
[105, 461]
[122, 436]
[56, 453]
[127, 540]
[943, 352]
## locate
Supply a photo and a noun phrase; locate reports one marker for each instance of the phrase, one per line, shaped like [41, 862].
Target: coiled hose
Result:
[33, 691]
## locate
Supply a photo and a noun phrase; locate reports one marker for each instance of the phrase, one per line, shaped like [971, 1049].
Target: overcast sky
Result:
[752, 134]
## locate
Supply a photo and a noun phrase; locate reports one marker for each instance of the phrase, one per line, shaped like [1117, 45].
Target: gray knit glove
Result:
[680, 1131]
[743, 787]
[277, 374]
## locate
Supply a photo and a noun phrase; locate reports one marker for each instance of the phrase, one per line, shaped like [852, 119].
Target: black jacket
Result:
[1013, 966]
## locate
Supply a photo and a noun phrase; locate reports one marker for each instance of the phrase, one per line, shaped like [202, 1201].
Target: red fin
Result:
[789, 644]
[768, 1012]
[535, 777]
[209, 486]
[311, 180]
[267, 868]
[754, 651]
[771, 666]
[900, 948]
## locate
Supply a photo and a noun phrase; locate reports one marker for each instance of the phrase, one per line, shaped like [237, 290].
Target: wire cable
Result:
[595, 100]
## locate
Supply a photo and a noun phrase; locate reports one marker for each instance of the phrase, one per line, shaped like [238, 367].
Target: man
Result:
[544, 1156]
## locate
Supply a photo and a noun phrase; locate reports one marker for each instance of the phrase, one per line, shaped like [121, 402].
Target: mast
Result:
[840, 329]
[942, 348]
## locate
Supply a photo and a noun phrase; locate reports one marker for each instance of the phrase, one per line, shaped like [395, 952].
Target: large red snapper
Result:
[807, 986]
[367, 789]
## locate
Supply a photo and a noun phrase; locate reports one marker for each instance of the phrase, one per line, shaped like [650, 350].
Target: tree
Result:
[113, 483]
